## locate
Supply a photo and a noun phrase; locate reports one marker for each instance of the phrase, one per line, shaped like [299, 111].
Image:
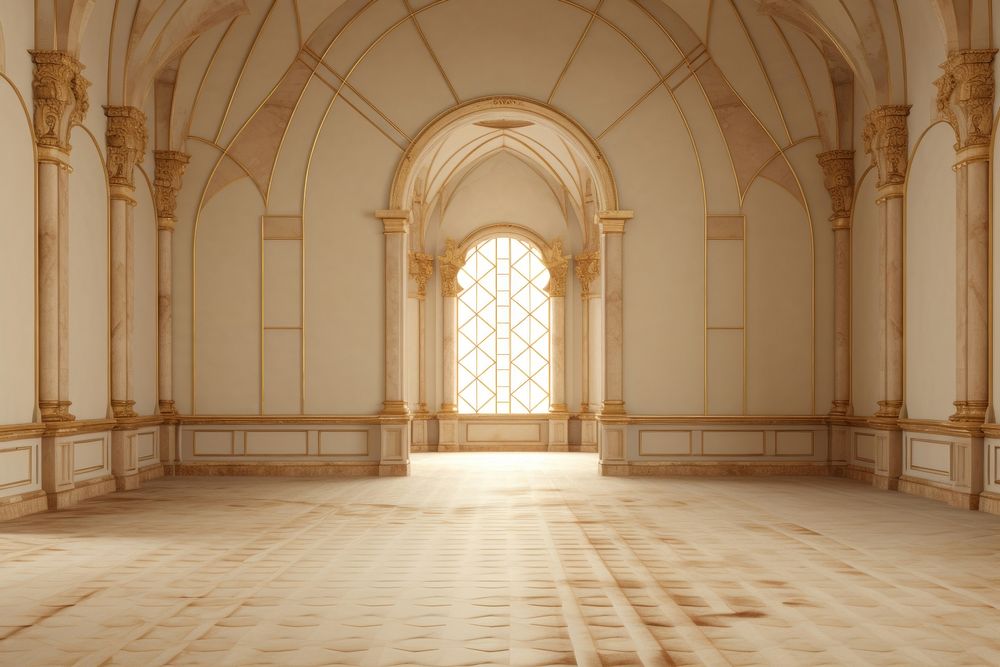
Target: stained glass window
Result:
[503, 329]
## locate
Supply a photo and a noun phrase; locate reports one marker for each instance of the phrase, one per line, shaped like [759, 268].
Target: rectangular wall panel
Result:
[930, 456]
[16, 467]
[89, 455]
[725, 283]
[343, 443]
[282, 283]
[503, 432]
[282, 372]
[794, 443]
[865, 448]
[146, 447]
[213, 443]
[277, 443]
[733, 443]
[725, 372]
[665, 443]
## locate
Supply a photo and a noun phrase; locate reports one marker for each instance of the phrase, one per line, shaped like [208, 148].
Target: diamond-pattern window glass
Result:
[503, 329]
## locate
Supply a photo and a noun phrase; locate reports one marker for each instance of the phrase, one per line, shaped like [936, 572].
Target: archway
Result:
[498, 167]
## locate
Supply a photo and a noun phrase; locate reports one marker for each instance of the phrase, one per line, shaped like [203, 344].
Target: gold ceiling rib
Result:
[427, 45]
[576, 49]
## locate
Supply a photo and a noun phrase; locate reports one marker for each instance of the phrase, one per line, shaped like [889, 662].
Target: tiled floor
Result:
[524, 559]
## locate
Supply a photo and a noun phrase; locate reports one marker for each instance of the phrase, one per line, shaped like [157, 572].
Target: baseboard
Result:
[91, 488]
[927, 489]
[989, 502]
[715, 469]
[154, 471]
[290, 469]
[23, 504]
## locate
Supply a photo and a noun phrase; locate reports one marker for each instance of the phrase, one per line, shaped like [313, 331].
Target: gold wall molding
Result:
[59, 90]
[10, 432]
[277, 420]
[126, 138]
[886, 143]
[838, 177]
[965, 97]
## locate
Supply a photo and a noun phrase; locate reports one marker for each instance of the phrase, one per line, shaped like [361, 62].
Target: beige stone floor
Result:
[524, 559]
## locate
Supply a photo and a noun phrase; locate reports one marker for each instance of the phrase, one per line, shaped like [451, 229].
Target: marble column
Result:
[588, 267]
[170, 167]
[60, 101]
[613, 429]
[886, 143]
[558, 266]
[965, 100]
[449, 264]
[126, 141]
[395, 416]
[421, 270]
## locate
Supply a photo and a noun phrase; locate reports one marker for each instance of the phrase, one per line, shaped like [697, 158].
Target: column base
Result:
[888, 459]
[888, 410]
[969, 412]
[840, 408]
[447, 433]
[55, 411]
[395, 409]
[123, 409]
[394, 443]
[168, 408]
[559, 432]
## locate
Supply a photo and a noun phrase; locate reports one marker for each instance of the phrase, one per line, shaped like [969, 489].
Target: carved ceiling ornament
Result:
[60, 97]
[450, 263]
[965, 96]
[421, 270]
[838, 177]
[588, 269]
[170, 166]
[558, 266]
[126, 137]
[886, 142]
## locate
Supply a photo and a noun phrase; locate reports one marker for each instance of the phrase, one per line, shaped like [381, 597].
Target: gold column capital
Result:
[450, 263]
[59, 91]
[170, 166]
[588, 268]
[886, 143]
[613, 222]
[558, 266]
[838, 177]
[421, 270]
[965, 97]
[126, 138]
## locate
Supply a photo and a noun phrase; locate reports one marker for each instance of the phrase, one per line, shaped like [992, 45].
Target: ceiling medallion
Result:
[504, 124]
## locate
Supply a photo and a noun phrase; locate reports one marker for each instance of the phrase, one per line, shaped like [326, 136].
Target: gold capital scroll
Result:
[450, 263]
[965, 96]
[838, 177]
[558, 266]
[60, 97]
[588, 268]
[126, 137]
[886, 143]
[170, 166]
[421, 270]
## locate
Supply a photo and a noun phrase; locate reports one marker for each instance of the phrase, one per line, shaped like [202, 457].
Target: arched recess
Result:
[563, 155]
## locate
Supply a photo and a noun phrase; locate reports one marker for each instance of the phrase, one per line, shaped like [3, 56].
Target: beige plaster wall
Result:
[17, 263]
[88, 280]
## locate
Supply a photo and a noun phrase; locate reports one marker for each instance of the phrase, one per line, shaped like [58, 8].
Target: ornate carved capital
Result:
[170, 167]
[126, 136]
[965, 96]
[450, 263]
[838, 177]
[886, 142]
[60, 97]
[421, 270]
[558, 266]
[588, 268]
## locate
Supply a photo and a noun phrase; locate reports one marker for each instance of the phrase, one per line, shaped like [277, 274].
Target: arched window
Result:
[503, 329]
